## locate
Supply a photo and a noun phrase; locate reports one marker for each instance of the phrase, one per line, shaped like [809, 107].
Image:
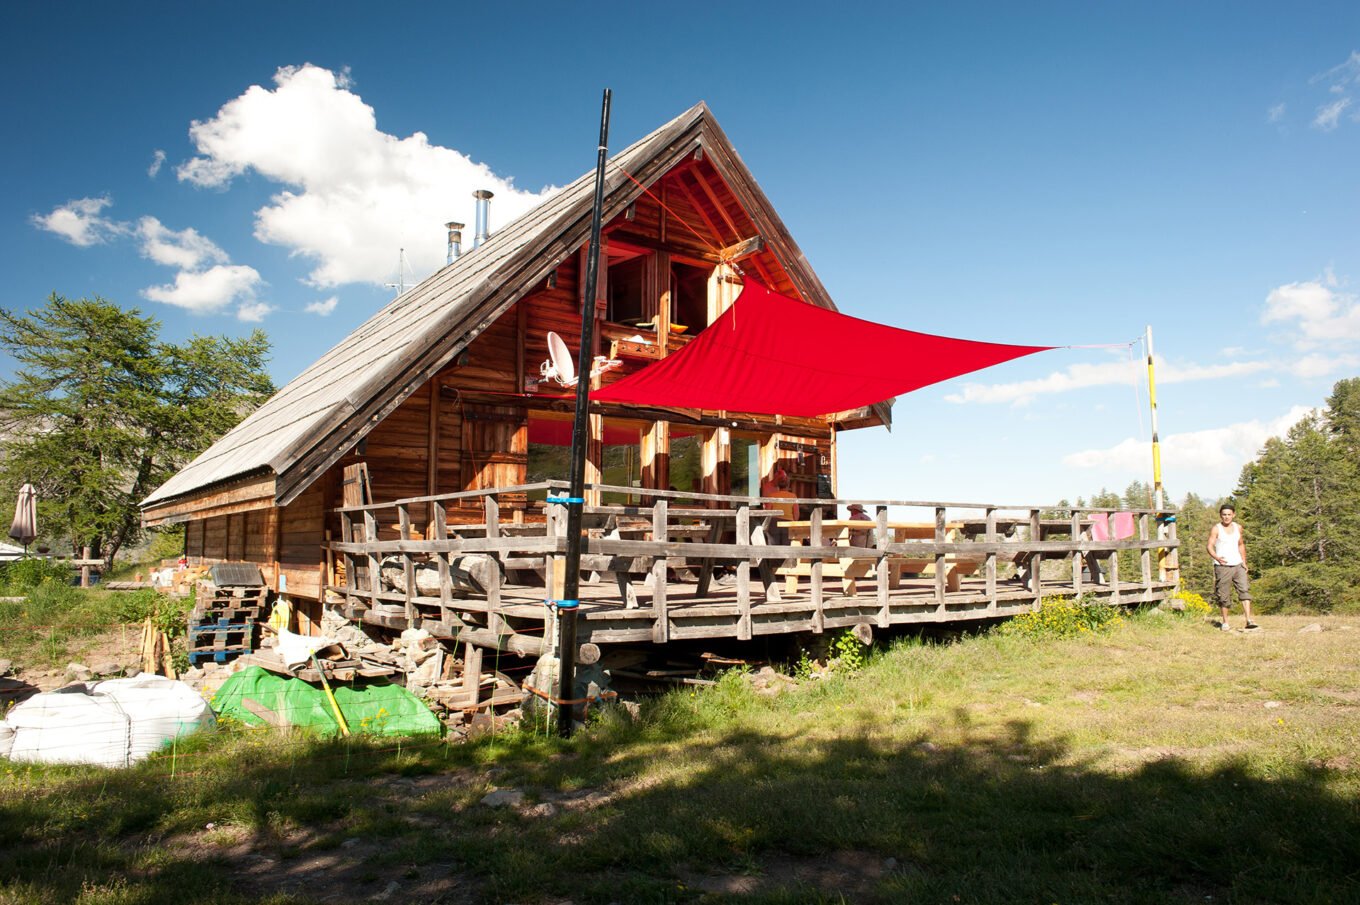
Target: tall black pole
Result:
[567, 606]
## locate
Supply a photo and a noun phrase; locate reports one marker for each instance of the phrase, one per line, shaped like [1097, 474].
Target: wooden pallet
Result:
[222, 635]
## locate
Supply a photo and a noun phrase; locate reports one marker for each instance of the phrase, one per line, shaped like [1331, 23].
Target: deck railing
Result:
[972, 549]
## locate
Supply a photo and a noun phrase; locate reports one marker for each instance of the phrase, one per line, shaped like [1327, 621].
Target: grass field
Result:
[1158, 761]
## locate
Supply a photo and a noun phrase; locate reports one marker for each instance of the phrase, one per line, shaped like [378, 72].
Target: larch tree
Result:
[100, 411]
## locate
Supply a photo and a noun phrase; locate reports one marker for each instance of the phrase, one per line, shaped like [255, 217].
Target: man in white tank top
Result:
[1229, 552]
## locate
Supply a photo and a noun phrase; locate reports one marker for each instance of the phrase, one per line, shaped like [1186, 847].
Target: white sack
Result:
[117, 723]
[159, 709]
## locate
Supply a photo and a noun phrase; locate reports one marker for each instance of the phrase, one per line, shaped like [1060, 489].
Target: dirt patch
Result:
[310, 865]
[852, 874]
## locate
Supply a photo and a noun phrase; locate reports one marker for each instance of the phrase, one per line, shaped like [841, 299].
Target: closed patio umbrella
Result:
[25, 527]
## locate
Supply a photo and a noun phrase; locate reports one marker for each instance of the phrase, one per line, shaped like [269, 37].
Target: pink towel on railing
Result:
[1118, 524]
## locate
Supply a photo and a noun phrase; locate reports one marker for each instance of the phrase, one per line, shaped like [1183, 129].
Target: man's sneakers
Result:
[1252, 626]
[1225, 626]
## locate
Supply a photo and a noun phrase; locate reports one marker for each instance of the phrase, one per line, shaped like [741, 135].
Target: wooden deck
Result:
[695, 566]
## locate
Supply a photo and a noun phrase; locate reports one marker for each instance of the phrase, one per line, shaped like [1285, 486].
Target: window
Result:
[745, 465]
[549, 452]
[686, 464]
[622, 462]
[689, 296]
[627, 280]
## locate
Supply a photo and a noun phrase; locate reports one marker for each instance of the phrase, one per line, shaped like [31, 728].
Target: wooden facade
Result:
[440, 393]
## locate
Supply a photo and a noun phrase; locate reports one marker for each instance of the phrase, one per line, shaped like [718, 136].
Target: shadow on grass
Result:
[752, 817]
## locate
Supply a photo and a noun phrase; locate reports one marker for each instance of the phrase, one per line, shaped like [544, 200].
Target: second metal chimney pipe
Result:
[455, 240]
[483, 227]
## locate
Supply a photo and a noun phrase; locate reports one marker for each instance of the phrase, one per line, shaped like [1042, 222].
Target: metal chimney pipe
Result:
[455, 240]
[483, 227]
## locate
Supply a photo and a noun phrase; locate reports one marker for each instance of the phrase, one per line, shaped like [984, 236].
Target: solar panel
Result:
[237, 575]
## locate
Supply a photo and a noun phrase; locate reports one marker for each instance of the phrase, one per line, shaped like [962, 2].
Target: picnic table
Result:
[850, 570]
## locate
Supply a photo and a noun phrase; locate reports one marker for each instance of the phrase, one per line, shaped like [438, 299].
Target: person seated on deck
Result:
[777, 486]
[860, 538]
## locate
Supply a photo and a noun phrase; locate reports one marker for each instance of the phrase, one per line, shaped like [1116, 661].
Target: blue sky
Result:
[1057, 174]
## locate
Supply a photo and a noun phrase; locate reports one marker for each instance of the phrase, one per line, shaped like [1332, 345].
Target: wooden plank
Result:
[815, 539]
[742, 249]
[1076, 554]
[991, 560]
[472, 672]
[660, 618]
[494, 621]
[1145, 558]
[241, 496]
[407, 565]
[941, 564]
[744, 576]
[881, 577]
[370, 532]
[1037, 560]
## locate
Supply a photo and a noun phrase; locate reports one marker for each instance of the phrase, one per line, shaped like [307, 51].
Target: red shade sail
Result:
[775, 355]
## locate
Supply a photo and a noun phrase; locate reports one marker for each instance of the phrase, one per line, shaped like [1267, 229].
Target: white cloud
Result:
[1275, 113]
[1318, 310]
[1083, 376]
[187, 249]
[157, 161]
[1345, 72]
[1315, 365]
[1215, 455]
[253, 312]
[210, 290]
[1329, 114]
[79, 222]
[353, 194]
[324, 306]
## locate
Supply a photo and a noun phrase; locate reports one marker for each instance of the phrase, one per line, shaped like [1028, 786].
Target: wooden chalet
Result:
[439, 398]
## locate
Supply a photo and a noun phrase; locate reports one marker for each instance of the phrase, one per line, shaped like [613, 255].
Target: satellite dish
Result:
[559, 365]
[561, 368]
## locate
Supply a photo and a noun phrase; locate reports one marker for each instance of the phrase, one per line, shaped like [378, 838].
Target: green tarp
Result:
[256, 697]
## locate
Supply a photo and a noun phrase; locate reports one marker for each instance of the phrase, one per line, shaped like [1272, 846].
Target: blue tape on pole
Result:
[566, 604]
[565, 499]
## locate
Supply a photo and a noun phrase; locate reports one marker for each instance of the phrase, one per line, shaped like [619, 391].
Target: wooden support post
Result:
[408, 567]
[661, 631]
[1114, 578]
[941, 561]
[494, 620]
[706, 564]
[1173, 557]
[440, 524]
[815, 540]
[432, 445]
[1145, 557]
[881, 567]
[594, 455]
[1036, 560]
[557, 565]
[346, 535]
[472, 673]
[744, 574]
[991, 561]
[374, 573]
[1076, 553]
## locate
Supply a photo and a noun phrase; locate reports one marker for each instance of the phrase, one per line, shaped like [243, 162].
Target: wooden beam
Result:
[717, 205]
[432, 444]
[699, 209]
[744, 248]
